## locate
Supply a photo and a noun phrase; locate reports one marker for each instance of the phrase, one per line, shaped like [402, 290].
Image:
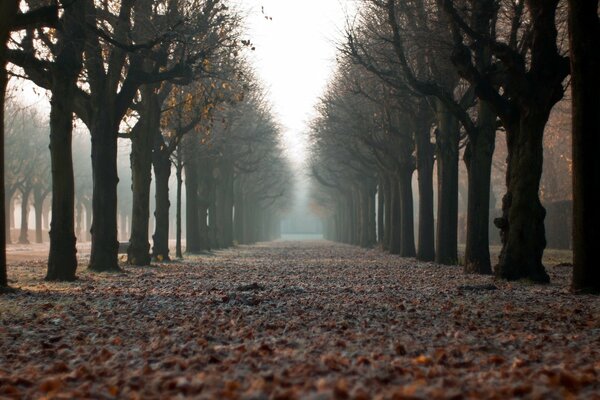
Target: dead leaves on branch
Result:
[303, 320]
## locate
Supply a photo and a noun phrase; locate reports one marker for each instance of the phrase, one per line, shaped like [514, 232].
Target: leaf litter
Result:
[288, 320]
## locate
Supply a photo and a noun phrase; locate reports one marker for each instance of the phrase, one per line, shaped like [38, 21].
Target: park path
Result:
[296, 320]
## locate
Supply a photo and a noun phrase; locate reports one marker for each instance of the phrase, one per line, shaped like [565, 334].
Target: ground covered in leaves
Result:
[296, 320]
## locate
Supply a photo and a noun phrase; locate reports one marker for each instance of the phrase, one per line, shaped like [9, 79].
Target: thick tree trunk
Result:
[8, 9]
[478, 160]
[407, 235]
[105, 245]
[162, 173]
[447, 168]
[478, 157]
[522, 222]
[24, 235]
[143, 137]
[584, 31]
[424, 151]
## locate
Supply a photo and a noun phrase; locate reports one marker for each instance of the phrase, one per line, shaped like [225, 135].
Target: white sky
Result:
[294, 57]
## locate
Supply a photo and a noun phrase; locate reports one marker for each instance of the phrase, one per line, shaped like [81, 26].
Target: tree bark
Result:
[105, 245]
[522, 222]
[584, 30]
[8, 9]
[425, 160]
[478, 160]
[447, 169]
[143, 137]
[162, 172]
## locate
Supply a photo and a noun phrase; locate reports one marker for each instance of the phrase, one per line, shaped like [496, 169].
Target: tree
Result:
[584, 29]
[11, 20]
[521, 89]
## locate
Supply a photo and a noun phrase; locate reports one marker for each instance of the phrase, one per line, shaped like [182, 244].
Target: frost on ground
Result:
[296, 320]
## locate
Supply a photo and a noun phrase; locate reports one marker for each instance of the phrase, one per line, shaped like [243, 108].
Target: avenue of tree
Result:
[417, 83]
[168, 76]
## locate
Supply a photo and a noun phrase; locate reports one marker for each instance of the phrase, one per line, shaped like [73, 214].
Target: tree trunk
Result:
[478, 160]
[407, 228]
[387, 224]
[143, 137]
[584, 30]
[192, 236]
[9, 211]
[46, 215]
[228, 207]
[522, 222]
[239, 217]
[38, 206]
[447, 168]
[424, 151]
[204, 193]
[395, 218]
[162, 172]
[179, 173]
[8, 9]
[363, 195]
[372, 235]
[24, 235]
[380, 211]
[105, 245]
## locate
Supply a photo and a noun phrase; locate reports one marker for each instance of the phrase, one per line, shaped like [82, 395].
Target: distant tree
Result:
[11, 19]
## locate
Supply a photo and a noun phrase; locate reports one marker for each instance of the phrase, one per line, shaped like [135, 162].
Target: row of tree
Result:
[417, 82]
[169, 76]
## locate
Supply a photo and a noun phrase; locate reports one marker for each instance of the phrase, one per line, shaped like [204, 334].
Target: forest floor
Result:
[296, 320]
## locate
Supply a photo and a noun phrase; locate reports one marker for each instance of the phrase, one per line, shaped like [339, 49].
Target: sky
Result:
[295, 57]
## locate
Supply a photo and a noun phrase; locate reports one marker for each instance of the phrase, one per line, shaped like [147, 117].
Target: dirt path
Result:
[296, 320]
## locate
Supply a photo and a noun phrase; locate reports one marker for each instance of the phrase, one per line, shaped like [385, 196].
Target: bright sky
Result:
[294, 57]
